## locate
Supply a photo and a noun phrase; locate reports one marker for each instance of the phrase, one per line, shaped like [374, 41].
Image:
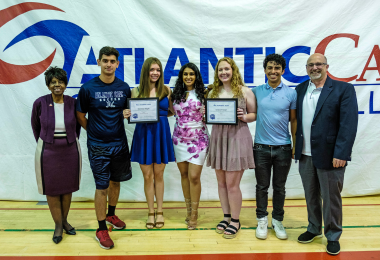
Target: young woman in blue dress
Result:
[152, 145]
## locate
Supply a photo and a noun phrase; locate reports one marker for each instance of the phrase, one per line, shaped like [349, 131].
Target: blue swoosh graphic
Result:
[67, 34]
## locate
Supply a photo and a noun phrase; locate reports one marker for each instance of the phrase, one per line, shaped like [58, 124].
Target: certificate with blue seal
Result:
[221, 111]
[143, 110]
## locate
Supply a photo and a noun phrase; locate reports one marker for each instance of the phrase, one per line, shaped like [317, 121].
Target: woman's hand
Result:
[126, 113]
[240, 114]
[203, 111]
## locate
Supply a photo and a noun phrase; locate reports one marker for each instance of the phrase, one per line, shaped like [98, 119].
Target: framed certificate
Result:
[143, 110]
[221, 111]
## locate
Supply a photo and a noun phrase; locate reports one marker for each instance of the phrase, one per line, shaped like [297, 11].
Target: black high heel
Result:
[57, 239]
[71, 231]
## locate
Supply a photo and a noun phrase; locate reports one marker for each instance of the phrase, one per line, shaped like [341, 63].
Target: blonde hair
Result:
[236, 80]
[144, 89]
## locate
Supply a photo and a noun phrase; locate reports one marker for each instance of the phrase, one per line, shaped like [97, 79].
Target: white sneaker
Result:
[279, 229]
[262, 228]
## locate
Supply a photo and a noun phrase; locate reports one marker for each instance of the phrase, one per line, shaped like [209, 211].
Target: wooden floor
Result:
[26, 229]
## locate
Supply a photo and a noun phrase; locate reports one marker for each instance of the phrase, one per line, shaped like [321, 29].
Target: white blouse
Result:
[59, 118]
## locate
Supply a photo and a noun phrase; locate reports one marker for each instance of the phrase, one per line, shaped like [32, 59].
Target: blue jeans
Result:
[280, 158]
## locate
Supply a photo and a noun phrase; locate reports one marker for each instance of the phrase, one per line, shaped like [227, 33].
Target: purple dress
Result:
[58, 159]
[190, 136]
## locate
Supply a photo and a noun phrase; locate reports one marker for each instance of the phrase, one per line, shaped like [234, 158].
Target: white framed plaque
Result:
[143, 110]
[221, 111]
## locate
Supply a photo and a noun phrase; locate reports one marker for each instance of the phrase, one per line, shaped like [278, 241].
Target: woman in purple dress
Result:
[190, 136]
[58, 160]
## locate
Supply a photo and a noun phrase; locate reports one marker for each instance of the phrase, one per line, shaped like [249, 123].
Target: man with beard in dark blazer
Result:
[327, 120]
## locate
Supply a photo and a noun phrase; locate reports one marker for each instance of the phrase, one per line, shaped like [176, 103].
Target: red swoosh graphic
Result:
[13, 11]
[10, 73]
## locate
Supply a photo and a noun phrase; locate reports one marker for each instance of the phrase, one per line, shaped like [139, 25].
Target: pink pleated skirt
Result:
[230, 148]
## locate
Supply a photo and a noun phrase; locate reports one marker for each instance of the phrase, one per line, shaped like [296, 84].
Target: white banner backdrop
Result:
[69, 34]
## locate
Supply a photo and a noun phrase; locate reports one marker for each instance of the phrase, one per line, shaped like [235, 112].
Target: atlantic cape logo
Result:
[70, 35]
[67, 34]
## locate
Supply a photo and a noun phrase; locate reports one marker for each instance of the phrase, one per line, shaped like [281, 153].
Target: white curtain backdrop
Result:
[176, 32]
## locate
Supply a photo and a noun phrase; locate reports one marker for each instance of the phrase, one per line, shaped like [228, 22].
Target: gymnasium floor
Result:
[26, 230]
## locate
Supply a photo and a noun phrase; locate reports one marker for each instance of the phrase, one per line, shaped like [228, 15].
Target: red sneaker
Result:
[115, 222]
[104, 239]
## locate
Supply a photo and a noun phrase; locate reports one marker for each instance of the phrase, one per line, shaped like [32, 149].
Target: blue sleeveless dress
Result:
[152, 142]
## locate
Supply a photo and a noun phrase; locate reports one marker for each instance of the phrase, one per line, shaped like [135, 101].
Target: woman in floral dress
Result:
[190, 137]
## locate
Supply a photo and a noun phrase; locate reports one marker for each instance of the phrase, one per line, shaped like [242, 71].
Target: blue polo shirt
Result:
[273, 111]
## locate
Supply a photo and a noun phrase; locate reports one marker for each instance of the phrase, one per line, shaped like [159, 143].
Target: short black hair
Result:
[276, 58]
[55, 72]
[108, 51]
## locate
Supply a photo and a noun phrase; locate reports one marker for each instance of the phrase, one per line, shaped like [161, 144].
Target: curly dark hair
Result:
[55, 72]
[276, 58]
[179, 92]
[108, 51]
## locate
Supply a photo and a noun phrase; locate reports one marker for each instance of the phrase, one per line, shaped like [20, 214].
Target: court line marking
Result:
[168, 229]
[347, 255]
[290, 206]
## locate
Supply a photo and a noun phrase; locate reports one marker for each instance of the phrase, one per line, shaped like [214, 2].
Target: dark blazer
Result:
[43, 119]
[334, 126]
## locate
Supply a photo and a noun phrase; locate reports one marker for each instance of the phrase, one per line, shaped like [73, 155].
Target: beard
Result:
[316, 76]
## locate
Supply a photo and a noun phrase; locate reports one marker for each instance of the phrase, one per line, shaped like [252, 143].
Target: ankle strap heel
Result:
[223, 224]
[188, 210]
[231, 229]
[235, 220]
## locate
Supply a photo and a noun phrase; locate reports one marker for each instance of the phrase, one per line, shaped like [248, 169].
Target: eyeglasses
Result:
[318, 65]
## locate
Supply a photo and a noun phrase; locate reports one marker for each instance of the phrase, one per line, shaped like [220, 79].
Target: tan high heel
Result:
[188, 208]
[160, 223]
[150, 224]
[193, 222]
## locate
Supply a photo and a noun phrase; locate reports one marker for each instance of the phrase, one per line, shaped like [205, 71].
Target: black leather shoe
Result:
[57, 239]
[333, 247]
[71, 231]
[307, 237]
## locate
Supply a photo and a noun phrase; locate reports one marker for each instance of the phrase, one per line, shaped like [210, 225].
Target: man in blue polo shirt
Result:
[276, 105]
[104, 99]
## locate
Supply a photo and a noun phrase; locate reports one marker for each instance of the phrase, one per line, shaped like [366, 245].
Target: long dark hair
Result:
[179, 92]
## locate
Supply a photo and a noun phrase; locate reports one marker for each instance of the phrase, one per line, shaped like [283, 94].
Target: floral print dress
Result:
[190, 136]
